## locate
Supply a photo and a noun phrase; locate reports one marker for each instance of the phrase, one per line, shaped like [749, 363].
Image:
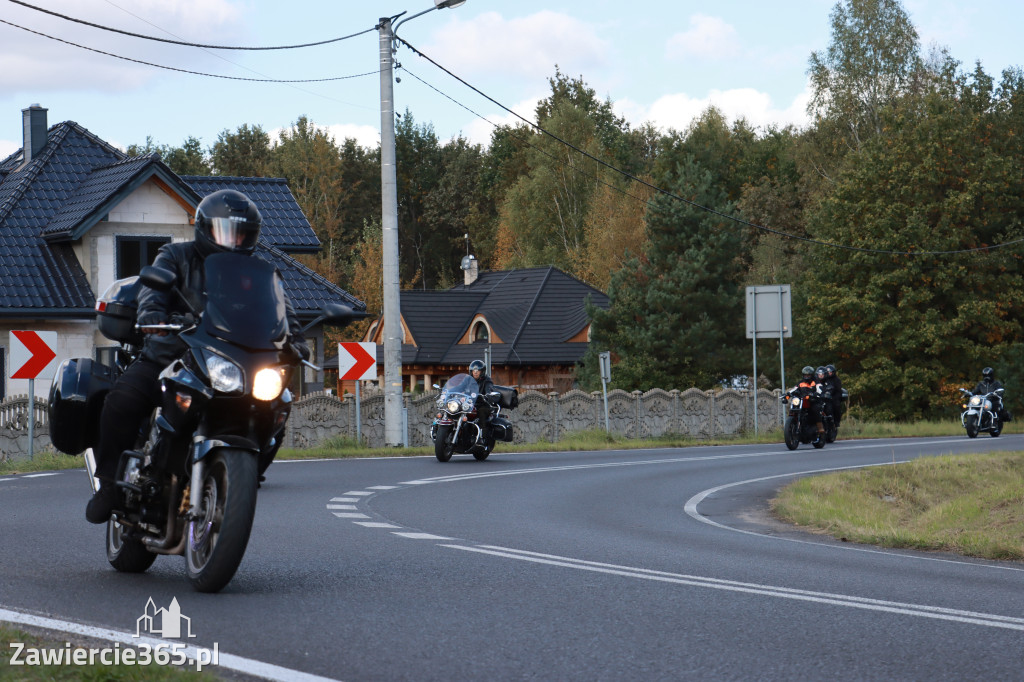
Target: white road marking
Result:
[38, 475]
[350, 515]
[361, 493]
[421, 536]
[344, 499]
[342, 506]
[231, 662]
[375, 524]
[382, 487]
[918, 610]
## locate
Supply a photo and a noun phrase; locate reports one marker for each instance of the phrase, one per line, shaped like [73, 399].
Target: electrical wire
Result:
[182, 42]
[707, 209]
[194, 73]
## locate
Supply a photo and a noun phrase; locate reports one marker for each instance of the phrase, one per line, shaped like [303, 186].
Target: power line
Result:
[182, 42]
[713, 211]
[194, 73]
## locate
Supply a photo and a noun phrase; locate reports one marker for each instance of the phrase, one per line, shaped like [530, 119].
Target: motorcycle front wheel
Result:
[971, 424]
[792, 433]
[216, 542]
[127, 555]
[442, 448]
[996, 429]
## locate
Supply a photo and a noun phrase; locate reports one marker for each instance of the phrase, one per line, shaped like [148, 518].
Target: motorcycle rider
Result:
[834, 386]
[808, 386]
[478, 371]
[988, 384]
[225, 221]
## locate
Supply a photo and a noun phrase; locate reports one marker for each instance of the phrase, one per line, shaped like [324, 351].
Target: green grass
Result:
[968, 504]
[90, 673]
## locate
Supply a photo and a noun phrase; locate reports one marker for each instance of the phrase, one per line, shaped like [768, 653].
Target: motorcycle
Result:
[980, 413]
[189, 486]
[805, 410]
[457, 427]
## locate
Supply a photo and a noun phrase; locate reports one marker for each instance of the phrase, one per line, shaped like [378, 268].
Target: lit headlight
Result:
[796, 402]
[976, 400]
[225, 376]
[267, 384]
[452, 406]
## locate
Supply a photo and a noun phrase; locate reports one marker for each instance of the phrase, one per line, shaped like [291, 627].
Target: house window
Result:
[480, 333]
[135, 252]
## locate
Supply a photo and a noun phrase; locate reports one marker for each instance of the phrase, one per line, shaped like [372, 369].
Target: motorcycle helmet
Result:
[476, 365]
[830, 370]
[820, 373]
[988, 374]
[227, 220]
[808, 373]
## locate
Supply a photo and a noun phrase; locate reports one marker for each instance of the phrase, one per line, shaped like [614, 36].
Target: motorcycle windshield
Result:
[461, 383]
[245, 301]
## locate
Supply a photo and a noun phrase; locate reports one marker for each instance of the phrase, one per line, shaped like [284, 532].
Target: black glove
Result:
[152, 317]
[300, 348]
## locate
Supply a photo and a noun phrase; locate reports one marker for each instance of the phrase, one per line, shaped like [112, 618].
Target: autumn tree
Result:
[243, 153]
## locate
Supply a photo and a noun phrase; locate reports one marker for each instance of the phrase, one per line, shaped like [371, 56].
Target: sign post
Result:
[769, 316]
[357, 361]
[32, 357]
[605, 361]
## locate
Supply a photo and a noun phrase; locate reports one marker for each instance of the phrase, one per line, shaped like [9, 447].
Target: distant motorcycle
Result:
[980, 413]
[804, 412]
[457, 427]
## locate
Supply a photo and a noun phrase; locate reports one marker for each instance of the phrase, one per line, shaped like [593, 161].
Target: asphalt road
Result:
[613, 565]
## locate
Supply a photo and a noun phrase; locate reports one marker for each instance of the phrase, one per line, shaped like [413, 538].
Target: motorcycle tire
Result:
[127, 555]
[819, 443]
[831, 433]
[442, 448]
[791, 432]
[996, 430]
[216, 543]
[971, 424]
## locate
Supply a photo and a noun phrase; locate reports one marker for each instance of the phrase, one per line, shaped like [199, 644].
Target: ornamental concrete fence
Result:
[319, 417]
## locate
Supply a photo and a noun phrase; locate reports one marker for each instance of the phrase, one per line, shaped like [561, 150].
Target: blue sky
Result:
[661, 61]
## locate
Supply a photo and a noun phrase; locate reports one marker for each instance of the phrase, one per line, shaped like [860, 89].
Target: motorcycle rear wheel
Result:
[971, 424]
[216, 543]
[442, 448]
[996, 430]
[127, 555]
[831, 433]
[792, 433]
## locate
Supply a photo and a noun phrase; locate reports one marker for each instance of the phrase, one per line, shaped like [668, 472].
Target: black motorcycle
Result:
[981, 414]
[805, 410]
[456, 426]
[189, 487]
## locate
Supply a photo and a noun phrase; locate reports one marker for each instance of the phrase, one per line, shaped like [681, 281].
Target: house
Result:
[76, 213]
[531, 323]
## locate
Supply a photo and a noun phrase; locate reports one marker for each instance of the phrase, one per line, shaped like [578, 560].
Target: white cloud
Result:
[7, 147]
[30, 61]
[708, 38]
[528, 47]
[677, 111]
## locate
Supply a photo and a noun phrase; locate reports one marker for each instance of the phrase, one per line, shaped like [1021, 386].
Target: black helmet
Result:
[808, 372]
[820, 373]
[988, 373]
[227, 220]
[830, 370]
[477, 364]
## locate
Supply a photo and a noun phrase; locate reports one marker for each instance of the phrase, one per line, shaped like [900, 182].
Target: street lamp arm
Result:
[389, 20]
[394, 28]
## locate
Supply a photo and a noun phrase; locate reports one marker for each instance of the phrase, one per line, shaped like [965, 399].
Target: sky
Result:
[657, 61]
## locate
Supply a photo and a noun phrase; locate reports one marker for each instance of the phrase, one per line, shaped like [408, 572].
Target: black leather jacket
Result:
[984, 386]
[185, 261]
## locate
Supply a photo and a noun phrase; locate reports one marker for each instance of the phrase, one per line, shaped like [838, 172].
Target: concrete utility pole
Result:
[392, 322]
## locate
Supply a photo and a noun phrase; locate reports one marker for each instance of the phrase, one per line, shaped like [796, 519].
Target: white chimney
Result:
[470, 269]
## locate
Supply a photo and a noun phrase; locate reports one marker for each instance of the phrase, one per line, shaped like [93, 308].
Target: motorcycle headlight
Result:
[468, 404]
[976, 400]
[268, 383]
[796, 402]
[452, 406]
[225, 376]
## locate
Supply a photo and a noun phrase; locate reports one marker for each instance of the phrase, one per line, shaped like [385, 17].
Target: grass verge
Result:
[967, 504]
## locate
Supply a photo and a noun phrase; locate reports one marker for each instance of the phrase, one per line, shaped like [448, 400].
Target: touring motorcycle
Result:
[980, 414]
[805, 410]
[189, 486]
[456, 426]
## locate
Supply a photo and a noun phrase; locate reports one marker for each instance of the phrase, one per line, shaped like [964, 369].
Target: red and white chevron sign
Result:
[357, 361]
[32, 354]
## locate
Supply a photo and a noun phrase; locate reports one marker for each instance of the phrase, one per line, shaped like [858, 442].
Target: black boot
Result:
[102, 503]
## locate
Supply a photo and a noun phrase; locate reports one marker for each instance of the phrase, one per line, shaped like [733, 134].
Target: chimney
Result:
[34, 131]
[470, 269]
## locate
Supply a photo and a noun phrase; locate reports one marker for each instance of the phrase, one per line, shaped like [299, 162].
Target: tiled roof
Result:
[284, 224]
[307, 290]
[535, 311]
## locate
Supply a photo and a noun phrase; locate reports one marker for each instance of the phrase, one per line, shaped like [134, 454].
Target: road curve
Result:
[620, 565]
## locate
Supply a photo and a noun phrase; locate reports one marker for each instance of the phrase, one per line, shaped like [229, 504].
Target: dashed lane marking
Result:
[350, 515]
[375, 524]
[421, 536]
